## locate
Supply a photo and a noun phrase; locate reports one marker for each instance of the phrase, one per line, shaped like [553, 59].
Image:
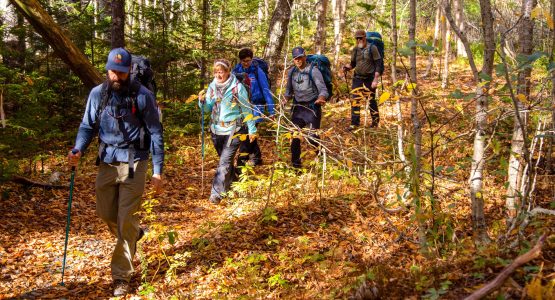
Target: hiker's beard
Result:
[119, 85]
[360, 45]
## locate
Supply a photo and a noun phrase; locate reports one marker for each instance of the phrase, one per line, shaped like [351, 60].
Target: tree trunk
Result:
[459, 19]
[339, 8]
[478, 157]
[412, 38]
[517, 159]
[220, 25]
[55, 37]
[550, 166]
[446, 54]
[105, 11]
[118, 24]
[399, 112]
[416, 133]
[21, 33]
[435, 42]
[277, 31]
[320, 36]
[204, 43]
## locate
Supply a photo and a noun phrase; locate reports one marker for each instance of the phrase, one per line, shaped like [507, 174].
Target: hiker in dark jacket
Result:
[228, 102]
[368, 65]
[260, 98]
[306, 86]
[125, 114]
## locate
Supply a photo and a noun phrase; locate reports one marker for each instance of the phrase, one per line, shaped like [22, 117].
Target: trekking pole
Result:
[74, 151]
[202, 148]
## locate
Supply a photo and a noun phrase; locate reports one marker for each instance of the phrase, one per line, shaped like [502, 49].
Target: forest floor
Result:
[317, 234]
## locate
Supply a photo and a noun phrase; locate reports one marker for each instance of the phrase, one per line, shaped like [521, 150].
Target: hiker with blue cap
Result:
[306, 86]
[125, 116]
[368, 65]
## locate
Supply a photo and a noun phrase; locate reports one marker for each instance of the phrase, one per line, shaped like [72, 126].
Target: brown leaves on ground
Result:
[304, 242]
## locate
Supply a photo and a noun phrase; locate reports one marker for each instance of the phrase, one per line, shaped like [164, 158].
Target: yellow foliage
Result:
[248, 117]
[191, 98]
[521, 98]
[536, 12]
[384, 97]
[548, 19]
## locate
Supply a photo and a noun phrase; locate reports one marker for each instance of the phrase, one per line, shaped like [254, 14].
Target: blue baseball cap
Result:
[119, 60]
[298, 52]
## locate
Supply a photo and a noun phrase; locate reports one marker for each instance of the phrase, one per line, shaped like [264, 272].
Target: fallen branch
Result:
[500, 279]
[28, 182]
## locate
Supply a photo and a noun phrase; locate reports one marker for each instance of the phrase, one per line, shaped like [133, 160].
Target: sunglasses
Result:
[359, 38]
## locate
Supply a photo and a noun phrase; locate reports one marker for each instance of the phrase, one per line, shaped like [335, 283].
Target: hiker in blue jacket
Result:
[261, 99]
[228, 102]
[306, 86]
[124, 114]
[368, 65]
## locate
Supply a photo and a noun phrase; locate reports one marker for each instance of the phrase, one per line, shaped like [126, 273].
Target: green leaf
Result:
[526, 59]
[172, 236]
[500, 69]
[366, 6]
[383, 23]
[457, 94]
[427, 47]
[405, 52]
[484, 76]
[469, 96]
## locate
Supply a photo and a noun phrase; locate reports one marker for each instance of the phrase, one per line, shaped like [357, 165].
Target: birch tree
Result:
[320, 36]
[517, 159]
[277, 31]
[446, 53]
[339, 8]
[435, 42]
[458, 5]
[483, 81]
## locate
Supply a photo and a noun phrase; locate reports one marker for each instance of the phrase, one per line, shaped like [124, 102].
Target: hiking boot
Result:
[352, 128]
[121, 288]
[215, 199]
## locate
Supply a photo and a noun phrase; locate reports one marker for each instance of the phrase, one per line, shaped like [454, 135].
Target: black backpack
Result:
[142, 71]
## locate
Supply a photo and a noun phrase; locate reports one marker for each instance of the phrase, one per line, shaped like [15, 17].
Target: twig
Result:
[500, 279]
[29, 182]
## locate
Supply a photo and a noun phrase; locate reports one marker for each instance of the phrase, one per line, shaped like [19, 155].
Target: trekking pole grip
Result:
[74, 151]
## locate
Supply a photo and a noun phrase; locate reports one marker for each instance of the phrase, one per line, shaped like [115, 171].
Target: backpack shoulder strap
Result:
[105, 94]
[134, 88]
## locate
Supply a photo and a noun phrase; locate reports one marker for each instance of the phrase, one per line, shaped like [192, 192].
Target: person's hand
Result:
[284, 101]
[346, 68]
[73, 157]
[374, 84]
[320, 101]
[252, 137]
[158, 183]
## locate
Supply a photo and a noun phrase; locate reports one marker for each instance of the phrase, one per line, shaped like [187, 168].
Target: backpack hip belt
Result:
[130, 151]
[363, 77]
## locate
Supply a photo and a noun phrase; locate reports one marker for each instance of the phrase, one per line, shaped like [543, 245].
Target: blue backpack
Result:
[375, 38]
[262, 64]
[323, 64]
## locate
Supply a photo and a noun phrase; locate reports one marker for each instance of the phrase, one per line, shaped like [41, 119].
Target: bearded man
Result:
[124, 114]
